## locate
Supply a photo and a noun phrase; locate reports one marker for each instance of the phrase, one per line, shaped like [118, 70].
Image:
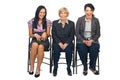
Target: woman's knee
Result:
[56, 48]
[68, 49]
[34, 45]
[94, 48]
[41, 47]
[81, 48]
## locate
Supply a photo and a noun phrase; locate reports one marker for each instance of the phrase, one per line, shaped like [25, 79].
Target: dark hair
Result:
[89, 5]
[36, 18]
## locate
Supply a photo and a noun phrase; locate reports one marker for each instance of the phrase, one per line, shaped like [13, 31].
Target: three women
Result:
[63, 31]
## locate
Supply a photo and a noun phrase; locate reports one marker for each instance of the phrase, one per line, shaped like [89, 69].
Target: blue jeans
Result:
[93, 51]
[56, 55]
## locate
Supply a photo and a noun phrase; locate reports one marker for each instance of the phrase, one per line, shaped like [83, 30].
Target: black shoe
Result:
[54, 72]
[37, 75]
[69, 71]
[70, 74]
[85, 73]
[94, 71]
[31, 72]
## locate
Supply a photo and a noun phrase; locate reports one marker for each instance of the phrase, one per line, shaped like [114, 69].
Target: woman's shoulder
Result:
[48, 20]
[49, 23]
[55, 21]
[82, 17]
[70, 21]
[95, 18]
[31, 20]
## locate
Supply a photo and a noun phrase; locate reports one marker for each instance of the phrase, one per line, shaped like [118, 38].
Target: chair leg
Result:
[28, 63]
[76, 61]
[73, 64]
[98, 64]
[51, 62]
[51, 54]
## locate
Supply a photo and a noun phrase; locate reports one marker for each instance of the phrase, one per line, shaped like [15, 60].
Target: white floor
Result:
[62, 73]
[14, 15]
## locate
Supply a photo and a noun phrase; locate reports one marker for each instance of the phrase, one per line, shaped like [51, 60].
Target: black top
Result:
[64, 35]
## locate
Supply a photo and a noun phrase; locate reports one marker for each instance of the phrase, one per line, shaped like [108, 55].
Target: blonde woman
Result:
[63, 31]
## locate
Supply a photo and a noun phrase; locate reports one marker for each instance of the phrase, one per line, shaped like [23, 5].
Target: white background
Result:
[14, 15]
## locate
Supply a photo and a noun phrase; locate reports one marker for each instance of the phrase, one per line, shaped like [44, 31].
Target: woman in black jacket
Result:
[63, 31]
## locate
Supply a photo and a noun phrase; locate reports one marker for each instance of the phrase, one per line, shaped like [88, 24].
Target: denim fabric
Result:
[93, 51]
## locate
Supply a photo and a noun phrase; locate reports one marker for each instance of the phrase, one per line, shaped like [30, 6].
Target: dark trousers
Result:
[56, 55]
[93, 51]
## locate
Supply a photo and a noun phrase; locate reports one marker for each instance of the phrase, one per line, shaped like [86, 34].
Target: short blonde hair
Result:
[65, 10]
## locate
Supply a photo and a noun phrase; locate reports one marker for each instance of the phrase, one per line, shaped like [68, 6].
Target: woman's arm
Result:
[45, 34]
[54, 33]
[48, 31]
[72, 33]
[31, 35]
[77, 30]
[97, 31]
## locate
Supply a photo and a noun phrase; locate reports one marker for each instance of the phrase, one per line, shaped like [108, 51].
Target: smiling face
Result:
[42, 13]
[63, 15]
[88, 12]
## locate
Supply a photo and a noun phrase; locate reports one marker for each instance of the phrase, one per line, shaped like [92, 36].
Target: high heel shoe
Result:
[55, 72]
[37, 75]
[94, 71]
[31, 72]
[69, 71]
[85, 73]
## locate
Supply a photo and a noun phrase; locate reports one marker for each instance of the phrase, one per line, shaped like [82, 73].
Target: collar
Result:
[61, 22]
[88, 20]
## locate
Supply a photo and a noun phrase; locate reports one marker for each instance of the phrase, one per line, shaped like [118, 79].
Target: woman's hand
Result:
[65, 45]
[88, 42]
[44, 36]
[61, 45]
[38, 37]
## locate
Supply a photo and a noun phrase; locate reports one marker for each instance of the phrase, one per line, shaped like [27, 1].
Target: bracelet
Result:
[35, 34]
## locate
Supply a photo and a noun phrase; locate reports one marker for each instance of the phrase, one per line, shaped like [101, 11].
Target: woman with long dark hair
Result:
[39, 30]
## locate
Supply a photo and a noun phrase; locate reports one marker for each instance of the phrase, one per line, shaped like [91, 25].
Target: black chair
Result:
[73, 58]
[47, 58]
[77, 59]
